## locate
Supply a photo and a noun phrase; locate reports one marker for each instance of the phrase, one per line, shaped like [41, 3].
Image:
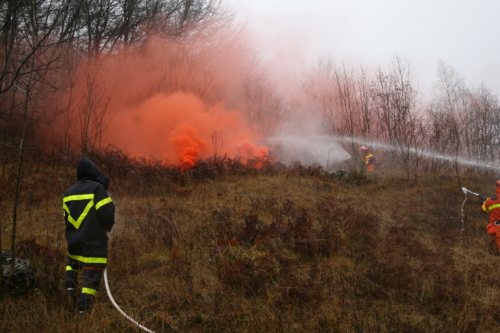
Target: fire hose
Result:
[118, 308]
[465, 190]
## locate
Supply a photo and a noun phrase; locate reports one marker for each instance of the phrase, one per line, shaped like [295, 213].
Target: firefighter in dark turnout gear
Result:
[491, 206]
[89, 213]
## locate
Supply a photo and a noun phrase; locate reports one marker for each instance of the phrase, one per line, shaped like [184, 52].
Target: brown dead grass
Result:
[270, 251]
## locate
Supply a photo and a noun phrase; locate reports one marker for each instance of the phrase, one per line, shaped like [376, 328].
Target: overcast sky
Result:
[465, 34]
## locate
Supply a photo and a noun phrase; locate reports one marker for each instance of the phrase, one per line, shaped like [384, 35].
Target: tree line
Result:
[56, 56]
[385, 107]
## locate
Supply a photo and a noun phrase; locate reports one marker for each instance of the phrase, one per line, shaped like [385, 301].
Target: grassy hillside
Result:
[228, 249]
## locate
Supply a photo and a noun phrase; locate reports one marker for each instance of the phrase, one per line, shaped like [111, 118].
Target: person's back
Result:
[85, 225]
[89, 214]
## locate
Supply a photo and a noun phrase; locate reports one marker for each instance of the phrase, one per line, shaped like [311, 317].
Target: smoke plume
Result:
[181, 128]
[181, 102]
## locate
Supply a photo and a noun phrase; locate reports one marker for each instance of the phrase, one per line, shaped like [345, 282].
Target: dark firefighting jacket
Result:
[89, 212]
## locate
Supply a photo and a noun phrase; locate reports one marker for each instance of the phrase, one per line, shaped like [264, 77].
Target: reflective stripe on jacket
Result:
[368, 159]
[491, 206]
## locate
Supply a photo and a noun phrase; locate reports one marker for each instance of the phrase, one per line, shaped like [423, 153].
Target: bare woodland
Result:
[54, 86]
[386, 108]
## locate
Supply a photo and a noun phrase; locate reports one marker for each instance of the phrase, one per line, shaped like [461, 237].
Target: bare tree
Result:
[92, 106]
[399, 119]
[343, 95]
[20, 21]
[29, 82]
[217, 142]
[446, 113]
[264, 105]
[352, 105]
[484, 126]
[319, 87]
[364, 105]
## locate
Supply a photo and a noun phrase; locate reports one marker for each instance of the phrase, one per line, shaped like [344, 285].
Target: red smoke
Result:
[188, 145]
[160, 101]
[181, 128]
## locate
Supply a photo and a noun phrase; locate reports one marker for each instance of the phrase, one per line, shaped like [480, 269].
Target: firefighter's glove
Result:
[483, 199]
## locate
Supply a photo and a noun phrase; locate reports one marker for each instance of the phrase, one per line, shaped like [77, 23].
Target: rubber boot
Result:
[85, 303]
[71, 299]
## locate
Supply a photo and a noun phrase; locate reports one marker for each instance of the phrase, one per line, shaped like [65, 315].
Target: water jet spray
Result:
[327, 139]
[307, 149]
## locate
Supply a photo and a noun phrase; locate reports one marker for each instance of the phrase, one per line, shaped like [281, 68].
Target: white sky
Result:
[465, 34]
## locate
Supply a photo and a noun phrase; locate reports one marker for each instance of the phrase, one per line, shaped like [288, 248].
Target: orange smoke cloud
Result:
[181, 128]
[162, 101]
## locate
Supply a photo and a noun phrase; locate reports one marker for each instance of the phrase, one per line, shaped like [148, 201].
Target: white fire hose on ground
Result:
[109, 234]
[118, 308]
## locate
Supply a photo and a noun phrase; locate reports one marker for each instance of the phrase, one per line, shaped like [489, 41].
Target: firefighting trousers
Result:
[91, 277]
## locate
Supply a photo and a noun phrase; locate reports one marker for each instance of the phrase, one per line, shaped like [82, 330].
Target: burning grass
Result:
[227, 248]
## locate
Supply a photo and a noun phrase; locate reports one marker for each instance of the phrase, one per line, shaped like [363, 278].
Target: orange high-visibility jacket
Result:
[369, 161]
[491, 206]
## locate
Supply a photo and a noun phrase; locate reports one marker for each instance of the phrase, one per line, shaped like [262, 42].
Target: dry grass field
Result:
[225, 248]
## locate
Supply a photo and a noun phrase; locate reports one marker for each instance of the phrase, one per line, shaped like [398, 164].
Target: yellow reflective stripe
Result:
[78, 197]
[76, 223]
[68, 268]
[89, 291]
[89, 260]
[488, 209]
[66, 208]
[103, 202]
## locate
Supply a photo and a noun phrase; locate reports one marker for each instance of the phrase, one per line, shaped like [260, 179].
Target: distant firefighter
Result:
[368, 159]
[491, 206]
